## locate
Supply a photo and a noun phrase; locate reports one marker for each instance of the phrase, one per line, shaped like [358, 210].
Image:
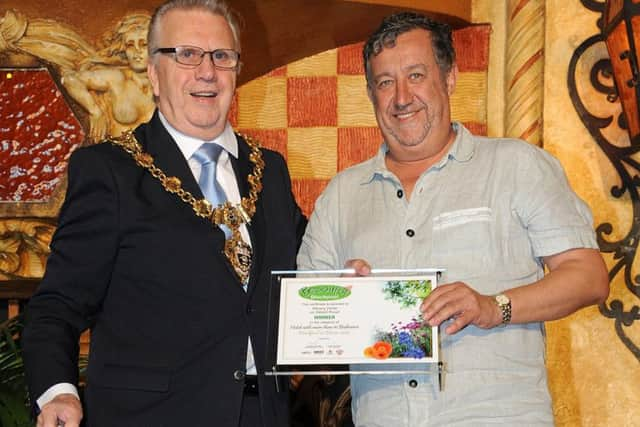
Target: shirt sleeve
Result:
[56, 390]
[555, 217]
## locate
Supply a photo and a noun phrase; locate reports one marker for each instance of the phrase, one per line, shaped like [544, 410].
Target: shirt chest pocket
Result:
[463, 242]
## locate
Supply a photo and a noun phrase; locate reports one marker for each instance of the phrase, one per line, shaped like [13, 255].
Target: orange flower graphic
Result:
[380, 350]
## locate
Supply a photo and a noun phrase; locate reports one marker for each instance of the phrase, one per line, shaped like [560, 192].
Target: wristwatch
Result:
[504, 303]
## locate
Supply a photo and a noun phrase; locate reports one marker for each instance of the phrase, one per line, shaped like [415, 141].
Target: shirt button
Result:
[411, 233]
[400, 193]
[238, 375]
[413, 383]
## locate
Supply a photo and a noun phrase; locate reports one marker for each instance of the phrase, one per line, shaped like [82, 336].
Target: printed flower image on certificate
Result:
[355, 320]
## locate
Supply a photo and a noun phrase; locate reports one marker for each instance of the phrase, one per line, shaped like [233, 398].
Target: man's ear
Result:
[152, 73]
[452, 79]
[370, 94]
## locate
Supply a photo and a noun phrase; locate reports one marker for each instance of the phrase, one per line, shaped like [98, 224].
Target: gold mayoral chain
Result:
[235, 249]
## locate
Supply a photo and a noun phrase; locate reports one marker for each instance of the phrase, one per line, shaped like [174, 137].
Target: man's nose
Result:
[403, 94]
[207, 69]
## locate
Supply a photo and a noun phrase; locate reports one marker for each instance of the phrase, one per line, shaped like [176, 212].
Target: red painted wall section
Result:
[38, 133]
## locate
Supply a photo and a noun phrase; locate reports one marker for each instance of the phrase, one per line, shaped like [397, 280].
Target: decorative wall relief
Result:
[596, 102]
[58, 91]
[110, 82]
[24, 247]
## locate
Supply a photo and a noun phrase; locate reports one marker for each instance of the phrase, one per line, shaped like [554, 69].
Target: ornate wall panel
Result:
[524, 69]
[38, 133]
[592, 355]
[55, 84]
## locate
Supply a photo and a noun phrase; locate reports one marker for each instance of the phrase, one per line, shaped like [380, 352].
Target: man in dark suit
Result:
[176, 293]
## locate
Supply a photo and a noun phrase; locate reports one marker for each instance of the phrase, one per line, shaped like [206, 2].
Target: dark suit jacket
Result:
[169, 320]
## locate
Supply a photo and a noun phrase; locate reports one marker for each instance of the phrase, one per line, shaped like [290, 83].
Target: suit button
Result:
[413, 383]
[238, 375]
[411, 233]
[250, 309]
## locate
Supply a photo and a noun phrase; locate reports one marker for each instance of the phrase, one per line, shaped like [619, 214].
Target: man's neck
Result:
[408, 167]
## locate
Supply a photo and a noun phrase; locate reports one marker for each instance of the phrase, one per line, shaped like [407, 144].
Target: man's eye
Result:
[416, 76]
[221, 55]
[384, 83]
[188, 53]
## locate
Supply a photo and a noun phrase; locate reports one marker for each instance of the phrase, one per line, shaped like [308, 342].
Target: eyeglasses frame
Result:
[174, 51]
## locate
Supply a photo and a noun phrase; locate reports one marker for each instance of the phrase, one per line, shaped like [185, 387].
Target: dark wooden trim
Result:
[18, 289]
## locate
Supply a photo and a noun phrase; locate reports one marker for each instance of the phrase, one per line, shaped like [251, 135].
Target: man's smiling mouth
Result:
[204, 94]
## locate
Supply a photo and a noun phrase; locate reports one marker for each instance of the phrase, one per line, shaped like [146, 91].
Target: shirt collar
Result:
[188, 144]
[462, 148]
[461, 151]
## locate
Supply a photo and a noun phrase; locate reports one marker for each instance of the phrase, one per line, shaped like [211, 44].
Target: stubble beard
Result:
[408, 140]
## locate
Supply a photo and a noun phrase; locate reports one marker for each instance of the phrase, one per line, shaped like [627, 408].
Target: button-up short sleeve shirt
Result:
[487, 213]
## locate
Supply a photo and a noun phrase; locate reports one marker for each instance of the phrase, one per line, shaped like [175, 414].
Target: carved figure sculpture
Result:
[110, 83]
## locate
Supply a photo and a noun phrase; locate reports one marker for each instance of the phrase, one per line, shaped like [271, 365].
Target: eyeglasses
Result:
[226, 59]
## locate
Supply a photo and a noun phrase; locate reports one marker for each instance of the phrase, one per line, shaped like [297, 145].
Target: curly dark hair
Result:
[394, 25]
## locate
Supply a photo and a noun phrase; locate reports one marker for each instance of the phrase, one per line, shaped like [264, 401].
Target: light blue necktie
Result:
[207, 155]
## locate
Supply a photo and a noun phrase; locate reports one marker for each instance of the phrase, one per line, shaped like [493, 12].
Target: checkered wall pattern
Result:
[316, 112]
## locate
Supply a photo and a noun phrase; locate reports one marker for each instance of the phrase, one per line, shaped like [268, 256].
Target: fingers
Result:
[459, 322]
[442, 305]
[461, 303]
[64, 410]
[361, 267]
[48, 419]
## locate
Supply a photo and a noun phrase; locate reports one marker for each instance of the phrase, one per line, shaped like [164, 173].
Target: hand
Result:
[458, 301]
[97, 126]
[361, 267]
[64, 409]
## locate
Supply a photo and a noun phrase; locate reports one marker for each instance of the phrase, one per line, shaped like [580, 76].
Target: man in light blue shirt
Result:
[492, 212]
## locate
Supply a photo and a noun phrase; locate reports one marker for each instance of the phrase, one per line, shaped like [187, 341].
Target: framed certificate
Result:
[325, 319]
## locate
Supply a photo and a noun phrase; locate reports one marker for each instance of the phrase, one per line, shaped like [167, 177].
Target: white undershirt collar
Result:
[188, 144]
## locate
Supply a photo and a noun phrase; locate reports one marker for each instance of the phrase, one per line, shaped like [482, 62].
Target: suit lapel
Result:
[167, 155]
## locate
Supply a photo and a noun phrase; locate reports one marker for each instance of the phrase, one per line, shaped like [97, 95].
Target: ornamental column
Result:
[525, 70]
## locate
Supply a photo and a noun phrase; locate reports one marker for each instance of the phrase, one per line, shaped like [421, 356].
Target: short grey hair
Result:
[216, 7]
[394, 25]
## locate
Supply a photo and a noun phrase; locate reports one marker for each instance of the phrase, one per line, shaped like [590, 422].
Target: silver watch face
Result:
[502, 299]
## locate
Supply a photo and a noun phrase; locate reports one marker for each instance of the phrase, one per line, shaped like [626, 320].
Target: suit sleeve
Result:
[299, 220]
[78, 272]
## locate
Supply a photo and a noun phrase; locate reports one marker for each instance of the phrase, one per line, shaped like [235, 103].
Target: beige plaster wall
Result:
[495, 13]
[594, 378]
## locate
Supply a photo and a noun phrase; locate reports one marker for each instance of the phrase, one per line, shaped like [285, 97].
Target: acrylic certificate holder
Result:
[330, 322]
